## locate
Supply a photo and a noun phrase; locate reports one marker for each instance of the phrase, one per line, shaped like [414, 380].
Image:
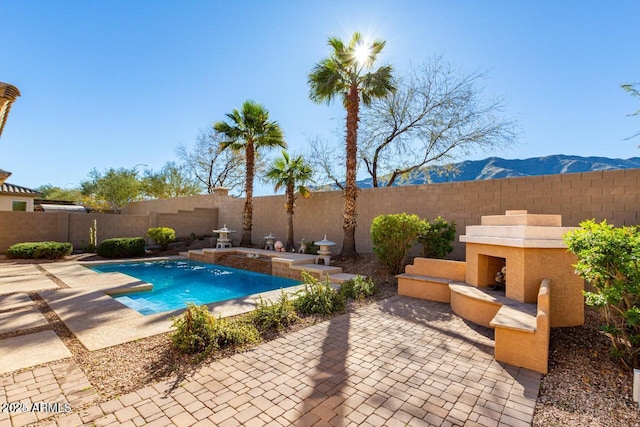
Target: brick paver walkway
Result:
[36, 394]
[399, 362]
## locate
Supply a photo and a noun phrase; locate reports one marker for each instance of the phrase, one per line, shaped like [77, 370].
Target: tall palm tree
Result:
[250, 130]
[292, 174]
[346, 73]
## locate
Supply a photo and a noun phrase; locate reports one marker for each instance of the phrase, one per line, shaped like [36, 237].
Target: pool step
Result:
[321, 270]
[290, 261]
[342, 277]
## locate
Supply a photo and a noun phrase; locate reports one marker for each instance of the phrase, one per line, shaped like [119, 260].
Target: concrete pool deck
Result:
[86, 307]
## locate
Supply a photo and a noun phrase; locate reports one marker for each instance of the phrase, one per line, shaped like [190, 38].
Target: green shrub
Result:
[312, 248]
[392, 237]
[199, 331]
[123, 247]
[317, 298]
[234, 332]
[162, 236]
[436, 238]
[194, 330]
[358, 288]
[40, 250]
[609, 259]
[275, 314]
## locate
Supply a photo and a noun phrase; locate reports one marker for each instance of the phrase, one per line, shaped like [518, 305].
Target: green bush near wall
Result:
[162, 236]
[124, 247]
[392, 237]
[608, 260]
[436, 237]
[39, 250]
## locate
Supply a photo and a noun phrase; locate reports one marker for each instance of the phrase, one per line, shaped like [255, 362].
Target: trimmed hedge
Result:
[123, 247]
[40, 250]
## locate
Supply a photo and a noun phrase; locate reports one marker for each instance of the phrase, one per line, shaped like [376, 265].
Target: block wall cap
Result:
[522, 219]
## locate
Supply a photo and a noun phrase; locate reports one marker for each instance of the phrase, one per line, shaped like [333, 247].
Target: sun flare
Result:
[362, 53]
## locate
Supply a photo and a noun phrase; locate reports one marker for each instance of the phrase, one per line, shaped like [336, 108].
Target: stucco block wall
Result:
[199, 221]
[173, 205]
[29, 226]
[610, 195]
[16, 227]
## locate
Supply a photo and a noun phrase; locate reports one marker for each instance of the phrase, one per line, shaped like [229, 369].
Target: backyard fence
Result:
[610, 195]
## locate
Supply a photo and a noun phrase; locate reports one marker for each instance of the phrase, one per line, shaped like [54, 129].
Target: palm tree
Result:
[250, 130]
[345, 73]
[292, 174]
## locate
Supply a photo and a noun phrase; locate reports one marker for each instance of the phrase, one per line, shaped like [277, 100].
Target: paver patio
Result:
[399, 362]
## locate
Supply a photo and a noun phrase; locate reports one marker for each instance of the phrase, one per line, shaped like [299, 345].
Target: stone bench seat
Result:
[514, 319]
[425, 287]
[421, 278]
[521, 330]
[492, 308]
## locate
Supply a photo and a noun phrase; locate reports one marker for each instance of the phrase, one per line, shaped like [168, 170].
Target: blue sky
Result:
[118, 83]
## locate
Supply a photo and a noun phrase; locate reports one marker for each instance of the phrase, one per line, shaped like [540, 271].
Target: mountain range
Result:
[496, 167]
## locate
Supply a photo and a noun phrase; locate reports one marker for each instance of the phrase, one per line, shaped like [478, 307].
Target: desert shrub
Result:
[358, 288]
[312, 248]
[40, 250]
[199, 331]
[194, 330]
[234, 332]
[392, 237]
[317, 297]
[436, 237]
[123, 247]
[162, 236]
[275, 314]
[93, 237]
[609, 259]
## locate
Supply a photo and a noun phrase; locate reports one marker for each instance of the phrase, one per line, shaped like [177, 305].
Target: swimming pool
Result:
[178, 282]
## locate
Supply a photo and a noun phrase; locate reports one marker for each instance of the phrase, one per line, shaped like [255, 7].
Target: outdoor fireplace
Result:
[490, 269]
[531, 247]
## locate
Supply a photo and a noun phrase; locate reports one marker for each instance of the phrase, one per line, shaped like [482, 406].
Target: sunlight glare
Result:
[362, 53]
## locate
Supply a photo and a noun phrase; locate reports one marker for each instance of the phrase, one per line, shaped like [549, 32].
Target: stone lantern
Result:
[223, 238]
[324, 252]
[269, 242]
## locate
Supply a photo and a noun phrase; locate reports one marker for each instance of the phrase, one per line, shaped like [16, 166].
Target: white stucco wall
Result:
[6, 202]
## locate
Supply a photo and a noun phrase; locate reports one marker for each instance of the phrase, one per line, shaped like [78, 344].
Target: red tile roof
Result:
[7, 188]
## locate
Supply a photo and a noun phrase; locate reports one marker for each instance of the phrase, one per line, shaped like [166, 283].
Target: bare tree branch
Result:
[211, 165]
[435, 116]
[325, 162]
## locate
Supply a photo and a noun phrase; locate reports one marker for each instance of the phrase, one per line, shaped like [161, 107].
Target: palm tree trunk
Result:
[291, 199]
[247, 213]
[350, 189]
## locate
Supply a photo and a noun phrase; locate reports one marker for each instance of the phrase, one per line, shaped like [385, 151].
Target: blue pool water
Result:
[177, 282]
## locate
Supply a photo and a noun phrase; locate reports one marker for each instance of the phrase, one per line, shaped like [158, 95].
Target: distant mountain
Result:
[496, 167]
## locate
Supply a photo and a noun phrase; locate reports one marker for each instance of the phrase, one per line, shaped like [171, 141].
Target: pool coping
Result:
[99, 321]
